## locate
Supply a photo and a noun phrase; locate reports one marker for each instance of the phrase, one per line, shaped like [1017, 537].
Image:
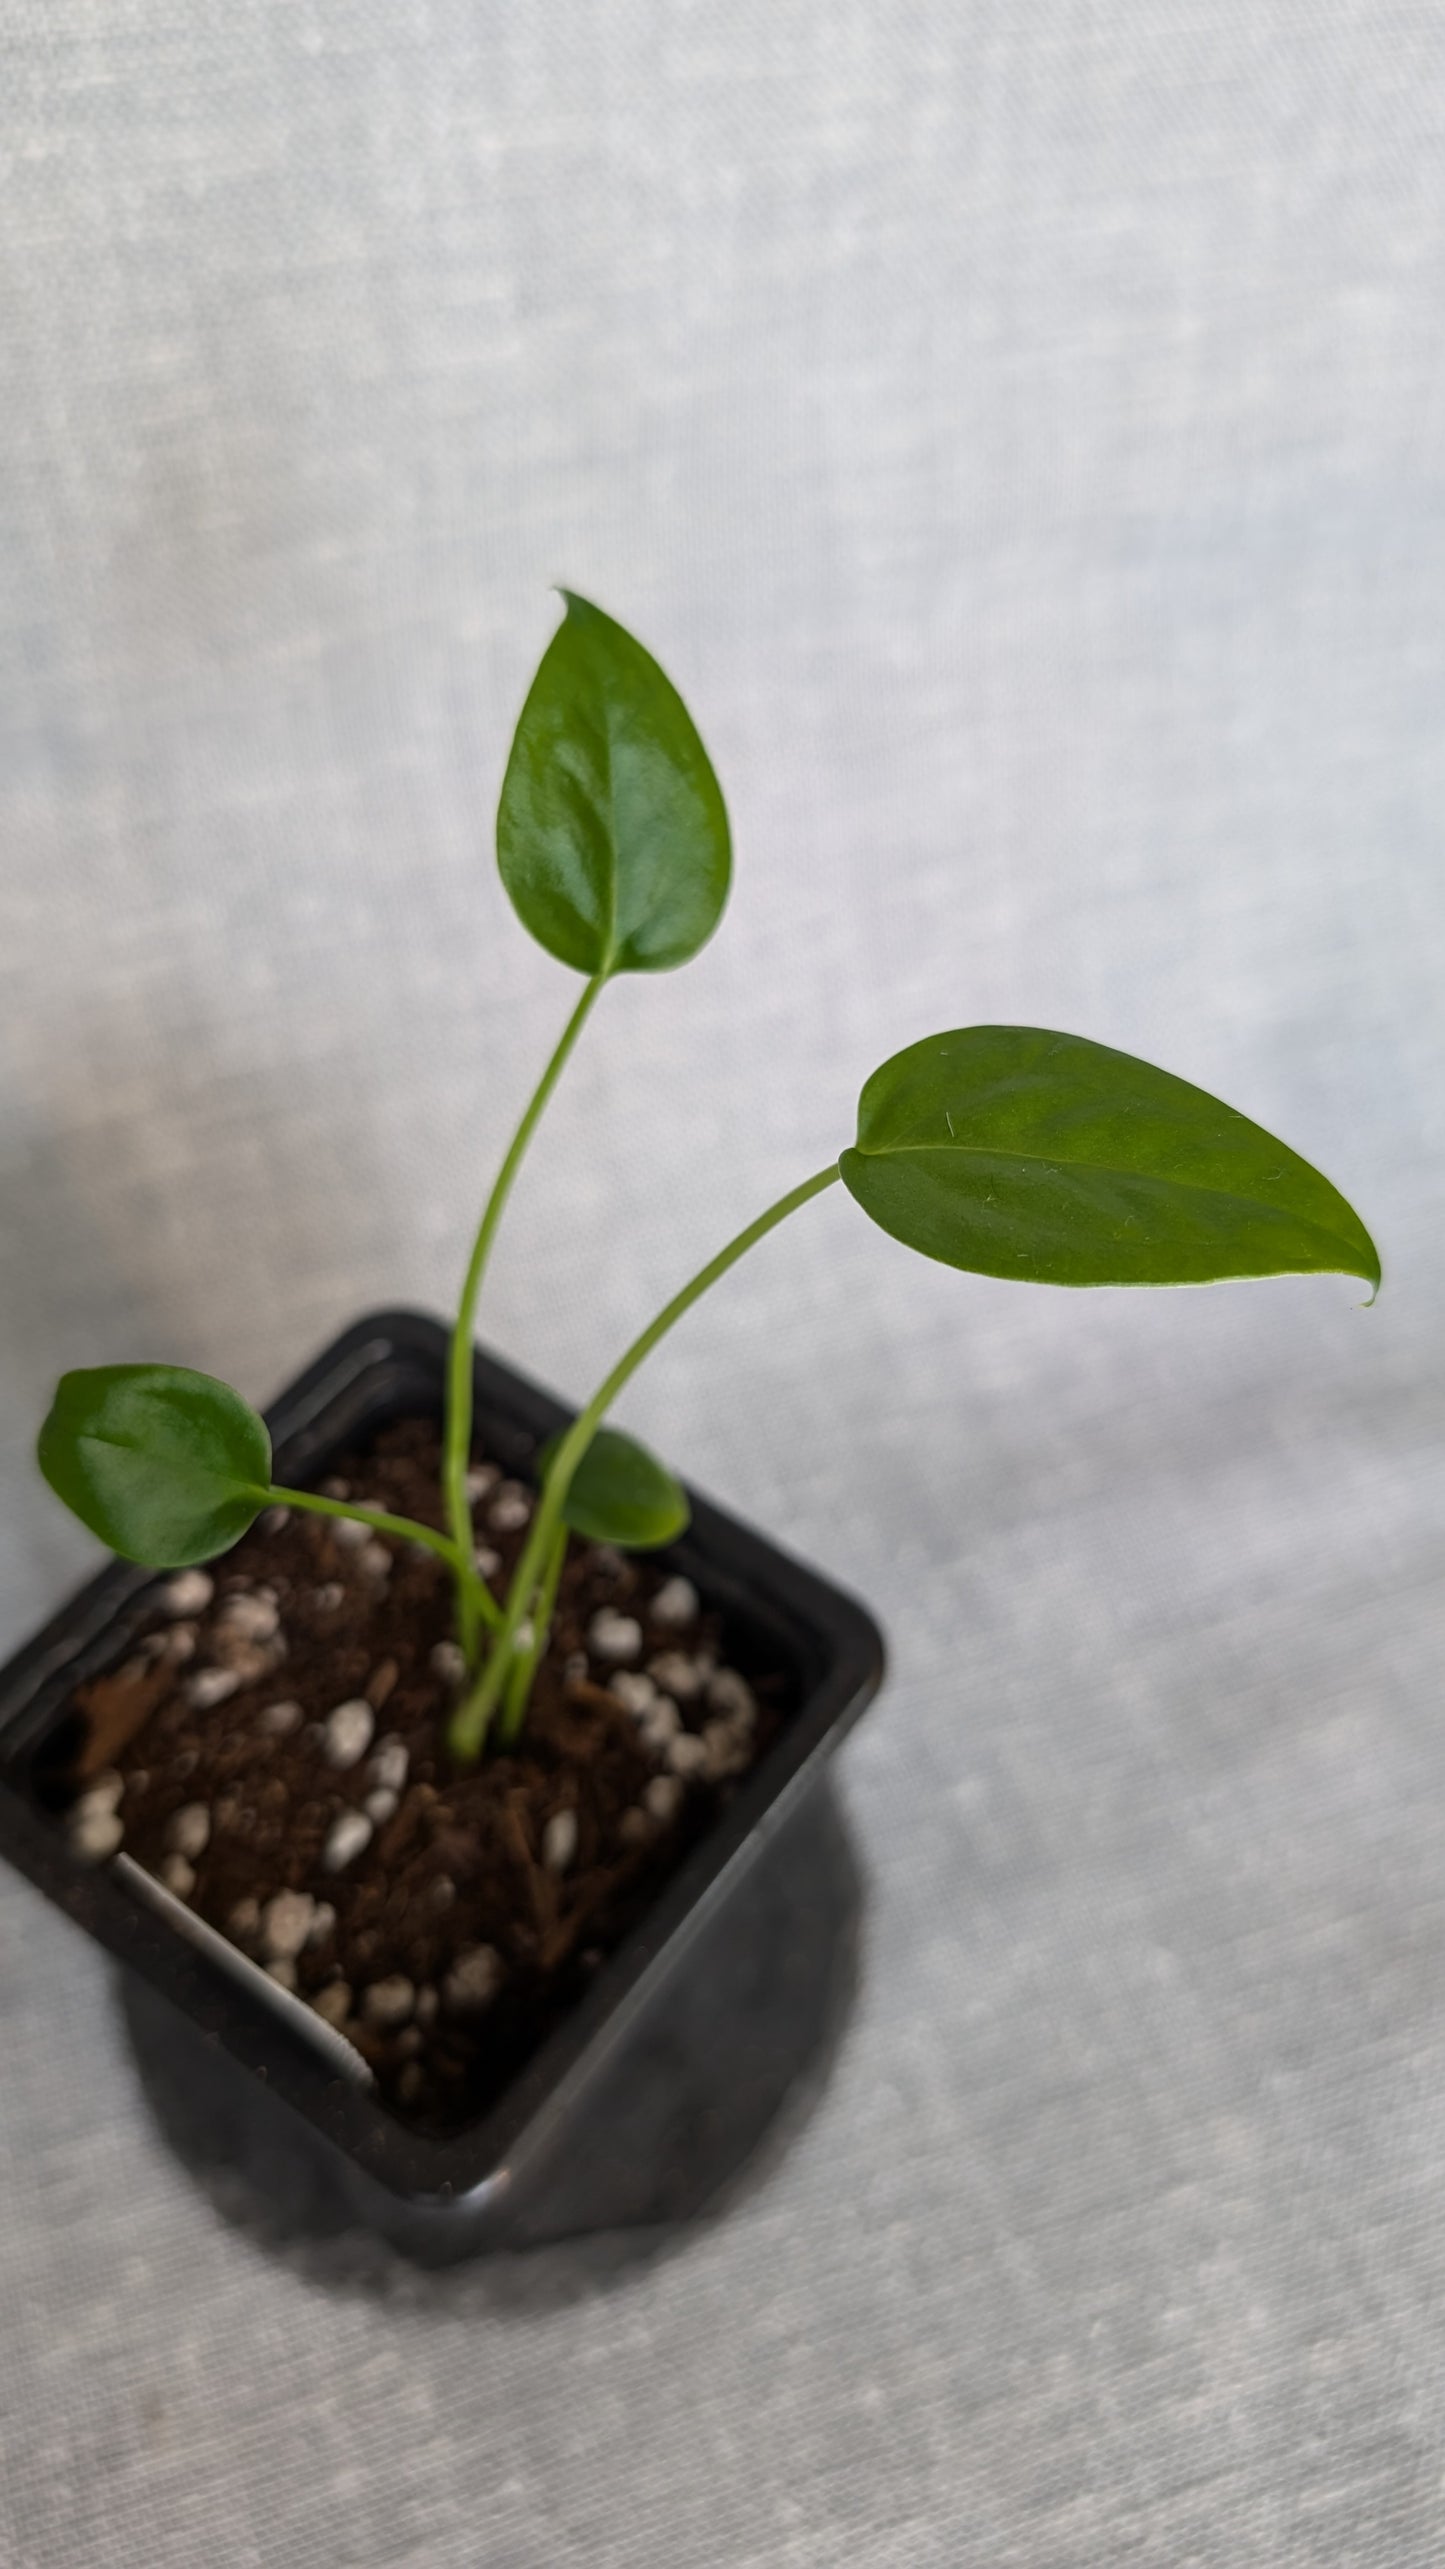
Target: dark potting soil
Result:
[443, 1919]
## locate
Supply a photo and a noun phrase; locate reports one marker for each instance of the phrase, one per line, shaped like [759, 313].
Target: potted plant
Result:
[415, 1741]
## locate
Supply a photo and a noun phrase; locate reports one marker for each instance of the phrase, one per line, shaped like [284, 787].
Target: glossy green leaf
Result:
[622, 1494]
[166, 1466]
[1016, 1152]
[612, 837]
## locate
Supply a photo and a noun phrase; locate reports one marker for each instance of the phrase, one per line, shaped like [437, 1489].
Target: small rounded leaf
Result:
[165, 1465]
[622, 1494]
[612, 837]
[1016, 1152]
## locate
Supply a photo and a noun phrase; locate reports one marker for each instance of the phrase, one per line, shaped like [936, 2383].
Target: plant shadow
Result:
[738, 2052]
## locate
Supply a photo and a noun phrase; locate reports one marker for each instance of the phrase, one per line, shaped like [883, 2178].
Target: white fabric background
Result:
[1019, 431]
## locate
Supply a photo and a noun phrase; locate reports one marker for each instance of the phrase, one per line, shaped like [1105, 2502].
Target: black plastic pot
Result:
[663, 2080]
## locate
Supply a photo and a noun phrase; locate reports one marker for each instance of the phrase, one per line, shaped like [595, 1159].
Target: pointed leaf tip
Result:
[1014, 1151]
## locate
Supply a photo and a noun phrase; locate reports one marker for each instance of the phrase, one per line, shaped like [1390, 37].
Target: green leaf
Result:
[612, 837]
[166, 1466]
[1016, 1152]
[622, 1494]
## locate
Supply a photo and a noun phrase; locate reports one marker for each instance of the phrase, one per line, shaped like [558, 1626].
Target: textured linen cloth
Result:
[1019, 432]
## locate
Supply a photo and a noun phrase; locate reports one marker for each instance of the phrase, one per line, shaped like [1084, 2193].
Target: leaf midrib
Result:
[1063, 1159]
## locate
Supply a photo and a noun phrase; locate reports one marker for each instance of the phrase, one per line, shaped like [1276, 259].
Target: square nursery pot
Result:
[721, 2008]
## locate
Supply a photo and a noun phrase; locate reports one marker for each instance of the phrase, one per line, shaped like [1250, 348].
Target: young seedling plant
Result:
[1005, 1150]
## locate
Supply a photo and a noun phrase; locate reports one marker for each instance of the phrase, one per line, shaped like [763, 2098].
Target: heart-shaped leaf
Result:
[166, 1466]
[622, 1494]
[1045, 1157]
[612, 837]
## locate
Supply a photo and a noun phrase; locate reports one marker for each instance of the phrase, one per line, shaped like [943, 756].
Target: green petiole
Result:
[475, 1602]
[527, 1660]
[377, 1518]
